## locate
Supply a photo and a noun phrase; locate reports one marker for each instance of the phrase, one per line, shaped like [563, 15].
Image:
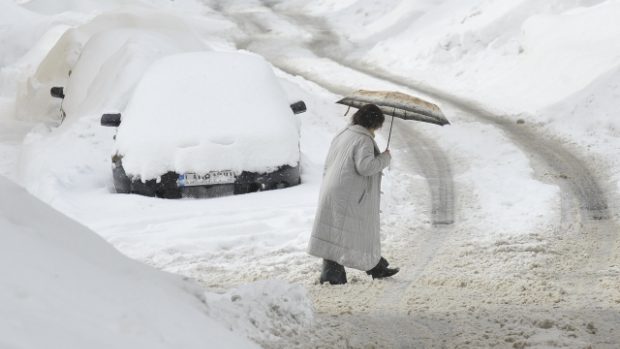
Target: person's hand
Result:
[387, 151]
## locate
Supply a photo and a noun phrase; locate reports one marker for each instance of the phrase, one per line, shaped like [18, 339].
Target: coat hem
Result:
[346, 256]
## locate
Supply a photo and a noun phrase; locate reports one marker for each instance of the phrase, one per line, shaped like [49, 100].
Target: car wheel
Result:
[122, 183]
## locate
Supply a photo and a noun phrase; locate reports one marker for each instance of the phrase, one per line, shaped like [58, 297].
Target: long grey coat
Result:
[346, 227]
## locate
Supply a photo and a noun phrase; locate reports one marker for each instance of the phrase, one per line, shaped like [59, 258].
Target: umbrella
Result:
[398, 105]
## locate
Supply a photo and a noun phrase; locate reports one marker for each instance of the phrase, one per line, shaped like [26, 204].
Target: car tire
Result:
[122, 183]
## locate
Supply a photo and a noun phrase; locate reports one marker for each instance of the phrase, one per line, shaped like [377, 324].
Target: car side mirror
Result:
[298, 107]
[111, 120]
[58, 92]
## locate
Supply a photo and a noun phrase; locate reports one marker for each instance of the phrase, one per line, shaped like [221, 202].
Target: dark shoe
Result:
[333, 273]
[381, 270]
[383, 262]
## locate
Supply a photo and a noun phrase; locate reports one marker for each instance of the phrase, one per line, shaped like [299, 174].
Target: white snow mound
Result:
[265, 310]
[208, 111]
[62, 286]
[100, 62]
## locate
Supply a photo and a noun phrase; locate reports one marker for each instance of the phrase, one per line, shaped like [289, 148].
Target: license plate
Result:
[211, 178]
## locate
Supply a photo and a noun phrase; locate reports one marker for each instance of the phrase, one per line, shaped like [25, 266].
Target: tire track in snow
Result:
[587, 255]
[379, 326]
[430, 161]
[584, 206]
[433, 163]
[584, 211]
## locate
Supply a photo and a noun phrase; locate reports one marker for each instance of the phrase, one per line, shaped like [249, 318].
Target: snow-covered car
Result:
[206, 124]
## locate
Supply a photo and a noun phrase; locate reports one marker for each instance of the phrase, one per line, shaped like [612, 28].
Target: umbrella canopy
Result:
[399, 105]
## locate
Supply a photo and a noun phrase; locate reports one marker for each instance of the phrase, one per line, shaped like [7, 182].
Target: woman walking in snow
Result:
[346, 227]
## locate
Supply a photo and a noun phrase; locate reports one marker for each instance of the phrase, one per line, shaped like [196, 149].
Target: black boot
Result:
[383, 262]
[381, 270]
[333, 273]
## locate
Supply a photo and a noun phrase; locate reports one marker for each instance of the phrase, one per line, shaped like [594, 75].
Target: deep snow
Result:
[509, 273]
[63, 286]
[552, 63]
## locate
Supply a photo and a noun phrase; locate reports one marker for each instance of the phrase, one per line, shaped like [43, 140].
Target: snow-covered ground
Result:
[552, 63]
[522, 265]
[63, 286]
[99, 58]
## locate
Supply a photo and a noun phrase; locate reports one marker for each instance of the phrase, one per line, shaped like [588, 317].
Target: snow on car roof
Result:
[206, 111]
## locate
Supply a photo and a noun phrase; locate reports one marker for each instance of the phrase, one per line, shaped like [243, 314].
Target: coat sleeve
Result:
[366, 163]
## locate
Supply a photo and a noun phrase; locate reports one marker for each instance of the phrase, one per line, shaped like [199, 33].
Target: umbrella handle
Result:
[390, 136]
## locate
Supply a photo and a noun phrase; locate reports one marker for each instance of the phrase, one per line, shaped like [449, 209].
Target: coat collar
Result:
[364, 131]
[361, 130]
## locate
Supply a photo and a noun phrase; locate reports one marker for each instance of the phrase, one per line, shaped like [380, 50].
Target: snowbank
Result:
[265, 310]
[201, 112]
[25, 39]
[96, 50]
[595, 107]
[94, 6]
[99, 62]
[20, 29]
[591, 118]
[64, 287]
[518, 56]
[363, 21]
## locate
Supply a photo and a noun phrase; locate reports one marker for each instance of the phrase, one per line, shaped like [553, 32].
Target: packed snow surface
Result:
[201, 112]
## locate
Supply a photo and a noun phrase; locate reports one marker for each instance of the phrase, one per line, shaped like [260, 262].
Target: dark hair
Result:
[369, 116]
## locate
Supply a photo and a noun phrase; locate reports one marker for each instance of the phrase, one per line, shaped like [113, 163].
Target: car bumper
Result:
[167, 186]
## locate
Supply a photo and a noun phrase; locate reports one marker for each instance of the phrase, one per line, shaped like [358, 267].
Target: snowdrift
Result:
[518, 56]
[64, 287]
[99, 63]
[98, 58]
